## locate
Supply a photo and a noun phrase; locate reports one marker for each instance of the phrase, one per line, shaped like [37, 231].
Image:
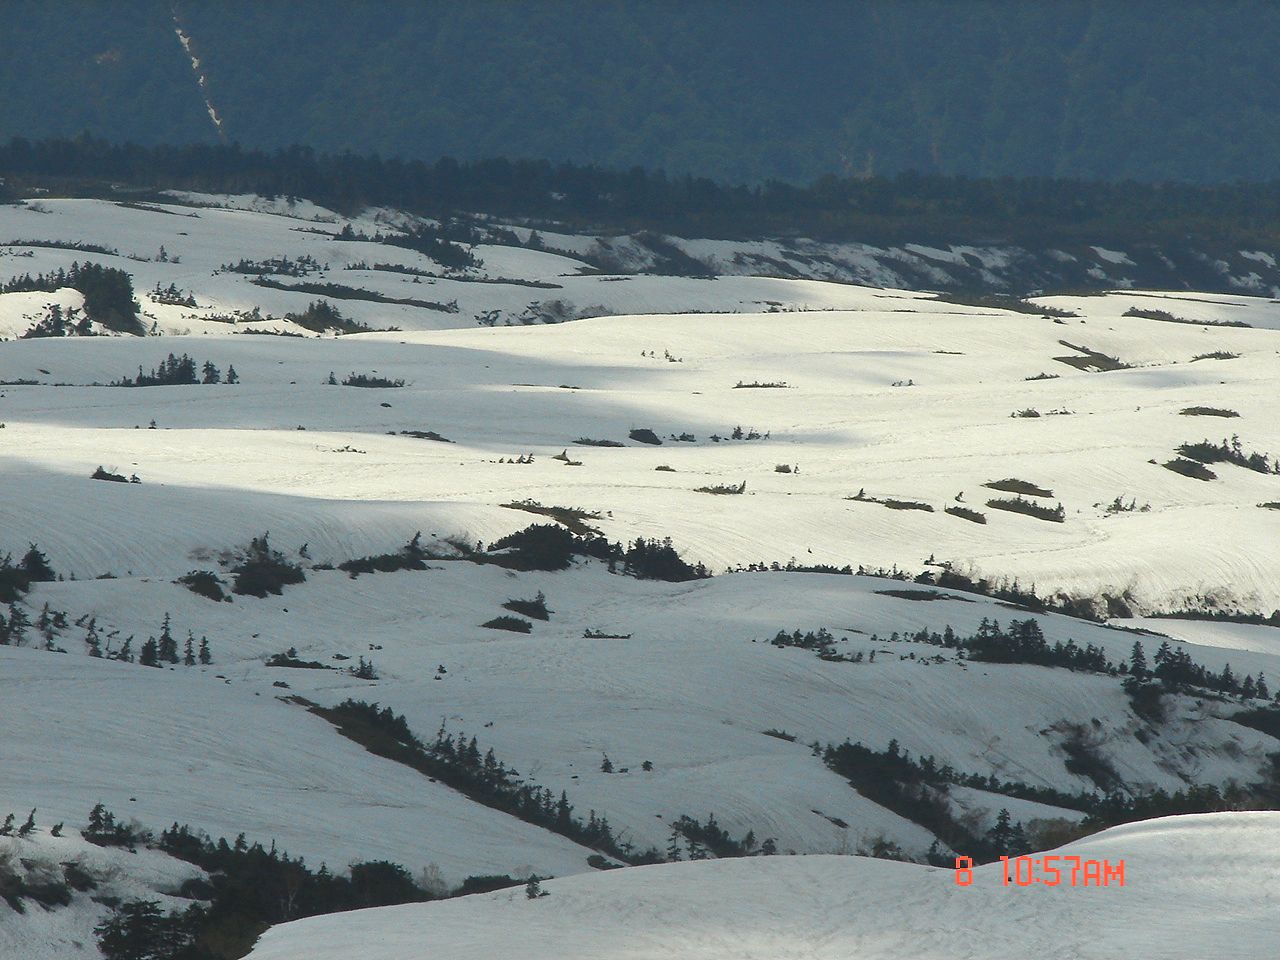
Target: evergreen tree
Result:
[205, 657]
[18, 625]
[188, 651]
[1138, 661]
[167, 648]
[210, 373]
[35, 565]
[606, 765]
[150, 656]
[29, 825]
[92, 640]
[232, 376]
[673, 846]
[125, 653]
[1263, 693]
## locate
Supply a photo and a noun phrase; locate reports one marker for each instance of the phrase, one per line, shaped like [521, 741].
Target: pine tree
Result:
[1248, 689]
[167, 649]
[18, 625]
[125, 653]
[150, 656]
[188, 651]
[35, 565]
[92, 640]
[211, 374]
[673, 846]
[1263, 692]
[29, 825]
[232, 376]
[606, 765]
[205, 657]
[1001, 836]
[1228, 680]
[1138, 661]
[6, 828]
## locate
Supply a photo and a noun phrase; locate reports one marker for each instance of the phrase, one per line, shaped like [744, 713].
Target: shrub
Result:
[514, 624]
[1190, 468]
[262, 570]
[535, 608]
[588, 442]
[204, 583]
[967, 514]
[1012, 485]
[321, 316]
[1029, 507]
[103, 474]
[368, 380]
[723, 489]
[538, 546]
[409, 557]
[1207, 412]
[645, 435]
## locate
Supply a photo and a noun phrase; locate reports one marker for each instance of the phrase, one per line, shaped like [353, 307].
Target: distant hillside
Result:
[741, 91]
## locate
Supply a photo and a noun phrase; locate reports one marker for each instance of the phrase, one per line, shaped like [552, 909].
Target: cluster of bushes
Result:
[703, 839]
[917, 790]
[16, 578]
[434, 240]
[55, 323]
[249, 888]
[339, 291]
[1028, 507]
[552, 547]
[458, 762]
[893, 780]
[172, 296]
[261, 570]
[322, 316]
[283, 266]
[108, 295]
[412, 556]
[178, 371]
[364, 380]
[1229, 451]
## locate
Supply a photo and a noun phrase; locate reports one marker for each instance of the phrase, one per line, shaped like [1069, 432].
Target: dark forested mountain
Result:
[738, 90]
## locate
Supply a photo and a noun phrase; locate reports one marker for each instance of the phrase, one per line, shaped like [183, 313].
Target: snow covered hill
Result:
[1197, 886]
[1117, 453]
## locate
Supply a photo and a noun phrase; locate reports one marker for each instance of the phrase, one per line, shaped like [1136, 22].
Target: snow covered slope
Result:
[1195, 887]
[754, 421]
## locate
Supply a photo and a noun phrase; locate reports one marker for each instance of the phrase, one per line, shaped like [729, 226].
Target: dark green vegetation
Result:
[1186, 221]
[108, 294]
[1028, 507]
[248, 888]
[542, 546]
[458, 762]
[746, 90]
[1229, 451]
